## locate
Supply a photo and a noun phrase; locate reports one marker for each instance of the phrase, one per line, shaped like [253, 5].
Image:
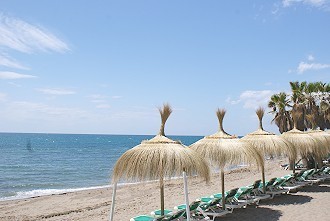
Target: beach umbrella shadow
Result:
[253, 214]
[222, 149]
[157, 159]
[321, 188]
[288, 199]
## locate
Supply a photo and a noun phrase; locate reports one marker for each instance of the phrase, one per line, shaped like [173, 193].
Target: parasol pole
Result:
[295, 117]
[165, 112]
[186, 195]
[162, 204]
[260, 113]
[114, 189]
[294, 166]
[263, 179]
[222, 174]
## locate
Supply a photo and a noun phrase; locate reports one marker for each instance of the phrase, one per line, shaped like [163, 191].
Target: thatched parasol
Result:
[304, 143]
[321, 136]
[159, 158]
[268, 143]
[222, 149]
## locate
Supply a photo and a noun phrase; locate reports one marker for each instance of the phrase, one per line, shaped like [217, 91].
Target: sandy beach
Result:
[311, 202]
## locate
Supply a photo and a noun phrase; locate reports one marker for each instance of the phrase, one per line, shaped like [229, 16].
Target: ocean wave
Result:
[47, 192]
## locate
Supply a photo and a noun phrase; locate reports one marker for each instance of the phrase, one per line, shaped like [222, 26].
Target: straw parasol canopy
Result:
[159, 158]
[269, 143]
[222, 149]
[321, 136]
[304, 143]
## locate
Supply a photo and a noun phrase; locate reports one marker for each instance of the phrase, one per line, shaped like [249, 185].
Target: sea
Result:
[34, 164]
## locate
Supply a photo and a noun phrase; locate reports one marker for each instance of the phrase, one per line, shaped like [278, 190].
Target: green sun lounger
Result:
[244, 195]
[158, 212]
[195, 214]
[211, 207]
[175, 215]
[273, 188]
[257, 192]
[230, 202]
[146, 218]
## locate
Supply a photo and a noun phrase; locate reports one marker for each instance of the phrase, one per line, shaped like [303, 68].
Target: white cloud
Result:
[14, 75]
[276, 8]
[40, 110]
[3, 96]
[101, 100]
[103, 106]
[56, 91]
[14, 84]
[310, 57]
[116, 97]
[6, 61]
[231, 101]
[313, 3]
[253, 99]
[303, 66]
[96, 96]
[98, 101]
[19, 35]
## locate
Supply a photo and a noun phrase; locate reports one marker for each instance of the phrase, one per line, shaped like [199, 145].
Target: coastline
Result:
[49, 192]
[142, 198]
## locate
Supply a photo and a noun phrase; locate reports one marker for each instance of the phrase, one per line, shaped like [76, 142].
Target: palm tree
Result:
[279, 102]
[311, 98]
[311, 101]
[297, 91]
[324, 106]
[298, 98]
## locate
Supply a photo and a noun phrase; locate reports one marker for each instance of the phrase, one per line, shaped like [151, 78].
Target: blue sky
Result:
[106, 66]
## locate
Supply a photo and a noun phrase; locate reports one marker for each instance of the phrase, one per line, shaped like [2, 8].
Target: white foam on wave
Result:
[47, 192]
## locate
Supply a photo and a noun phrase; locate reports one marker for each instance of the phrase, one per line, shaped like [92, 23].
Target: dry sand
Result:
[310, 203]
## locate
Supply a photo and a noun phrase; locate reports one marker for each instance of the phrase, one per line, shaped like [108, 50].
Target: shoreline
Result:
[50, 192]
[142, 198]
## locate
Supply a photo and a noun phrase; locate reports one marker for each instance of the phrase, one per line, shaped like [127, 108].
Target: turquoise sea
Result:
[43, 164]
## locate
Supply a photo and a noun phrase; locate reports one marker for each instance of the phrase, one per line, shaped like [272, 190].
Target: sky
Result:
[105, 67]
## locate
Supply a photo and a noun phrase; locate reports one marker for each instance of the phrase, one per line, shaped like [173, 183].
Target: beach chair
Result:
[230, 202]
[280, 185]
[319, 174]
[298, 179]
[194, 213]
[146, 218]
[244, 195]
[257, 193]
[287, 183]
[178, 215]
[324, 172]
[307, 176]
[211, 207]
[272, 189]
[157, 213]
